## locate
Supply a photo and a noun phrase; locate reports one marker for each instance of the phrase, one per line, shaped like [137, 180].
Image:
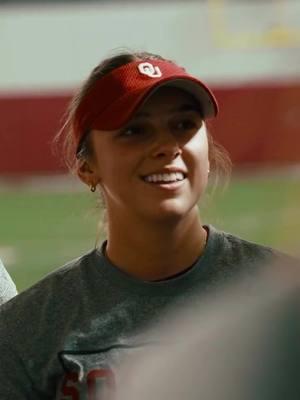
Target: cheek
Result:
[106, 157]
[115, 169]
[197, 151]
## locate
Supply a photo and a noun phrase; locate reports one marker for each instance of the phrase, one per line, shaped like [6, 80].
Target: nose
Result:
[166, 146]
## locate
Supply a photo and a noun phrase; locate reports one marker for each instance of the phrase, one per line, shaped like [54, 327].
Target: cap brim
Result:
[201, 93]
[122, 110]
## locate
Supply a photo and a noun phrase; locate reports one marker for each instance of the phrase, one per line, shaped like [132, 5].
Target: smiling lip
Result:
[167, 178]
[168, 185]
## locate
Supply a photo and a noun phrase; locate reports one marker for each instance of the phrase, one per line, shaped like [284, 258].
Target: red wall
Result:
[260, 124]
[257, 124]
[27, 127]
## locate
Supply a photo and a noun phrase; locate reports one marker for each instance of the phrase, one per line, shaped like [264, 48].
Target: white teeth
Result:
[179, 176]
[172, 177]
[169, 177]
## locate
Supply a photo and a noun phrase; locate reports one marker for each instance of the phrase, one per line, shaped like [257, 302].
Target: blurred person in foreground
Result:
[136, 132]
[7, 286]
[239, 344]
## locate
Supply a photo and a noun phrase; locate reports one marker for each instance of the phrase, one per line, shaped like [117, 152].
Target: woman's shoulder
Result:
[239, 250]
[75, 269]
[231, 257]
[55, 290]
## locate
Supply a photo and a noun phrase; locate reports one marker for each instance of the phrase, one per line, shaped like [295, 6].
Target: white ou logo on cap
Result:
[150, 70]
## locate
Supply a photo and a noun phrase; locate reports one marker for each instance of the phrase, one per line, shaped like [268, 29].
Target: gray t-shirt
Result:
[64, 337]
[7, 286]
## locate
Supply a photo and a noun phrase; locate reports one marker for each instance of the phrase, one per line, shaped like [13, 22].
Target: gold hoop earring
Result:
[93, 188]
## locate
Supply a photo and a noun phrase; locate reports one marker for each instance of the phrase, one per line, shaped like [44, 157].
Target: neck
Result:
[158, 250]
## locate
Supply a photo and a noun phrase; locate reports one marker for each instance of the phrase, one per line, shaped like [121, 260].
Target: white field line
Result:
[291, 172]
[48, 183]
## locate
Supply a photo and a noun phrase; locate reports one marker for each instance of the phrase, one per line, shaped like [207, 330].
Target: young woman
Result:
[7, 286]
[136, 132]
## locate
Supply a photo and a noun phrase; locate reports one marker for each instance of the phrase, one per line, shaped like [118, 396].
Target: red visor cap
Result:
[113, 99]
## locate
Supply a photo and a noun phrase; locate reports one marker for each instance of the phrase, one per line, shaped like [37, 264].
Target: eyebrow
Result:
[183, 108]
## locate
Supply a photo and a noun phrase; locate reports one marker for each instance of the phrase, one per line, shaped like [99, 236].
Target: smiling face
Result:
[156, 167]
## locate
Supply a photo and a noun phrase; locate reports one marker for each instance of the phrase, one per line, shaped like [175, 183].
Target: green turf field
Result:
[41, 231]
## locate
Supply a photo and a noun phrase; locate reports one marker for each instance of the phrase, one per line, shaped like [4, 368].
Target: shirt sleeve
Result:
[7, 286]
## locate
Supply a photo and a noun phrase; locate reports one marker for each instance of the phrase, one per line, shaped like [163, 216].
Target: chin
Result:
[170, 211]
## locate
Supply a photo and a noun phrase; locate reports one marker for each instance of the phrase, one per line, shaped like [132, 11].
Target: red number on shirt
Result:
[91, 381]
[67, 388]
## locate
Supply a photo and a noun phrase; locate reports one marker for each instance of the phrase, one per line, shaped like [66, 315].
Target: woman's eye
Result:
[187, 124]
[132, 131]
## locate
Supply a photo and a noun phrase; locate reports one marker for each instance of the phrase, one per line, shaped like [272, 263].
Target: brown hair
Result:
[65, 144]
[220, 163]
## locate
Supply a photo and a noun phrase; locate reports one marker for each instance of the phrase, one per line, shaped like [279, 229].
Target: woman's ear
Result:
[87, 172]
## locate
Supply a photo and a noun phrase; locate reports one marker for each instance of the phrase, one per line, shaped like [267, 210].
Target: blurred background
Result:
[248, 51]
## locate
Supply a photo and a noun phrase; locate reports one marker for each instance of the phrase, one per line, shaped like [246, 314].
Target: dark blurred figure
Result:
[242, 344]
